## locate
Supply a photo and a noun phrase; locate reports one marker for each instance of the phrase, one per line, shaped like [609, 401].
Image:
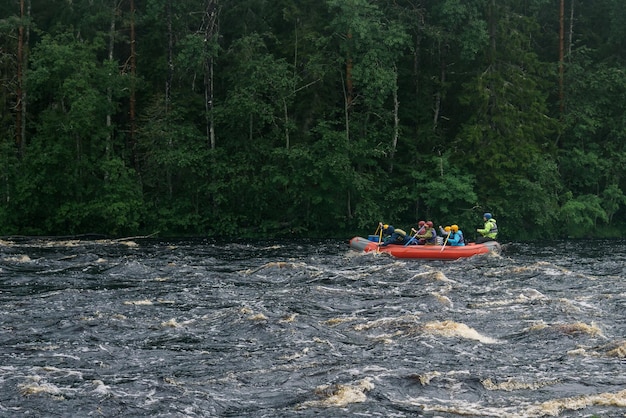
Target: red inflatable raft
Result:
[426, 252]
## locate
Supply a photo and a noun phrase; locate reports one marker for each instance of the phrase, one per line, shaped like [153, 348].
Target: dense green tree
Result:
[315, 118]
[75, 184]
[505, 140]
[592, 150]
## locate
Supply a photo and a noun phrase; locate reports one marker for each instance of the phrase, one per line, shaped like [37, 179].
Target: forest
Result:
[312, 118]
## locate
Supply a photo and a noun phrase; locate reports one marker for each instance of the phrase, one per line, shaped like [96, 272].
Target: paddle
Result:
[379, 232]
[412, 238]
[445, 242]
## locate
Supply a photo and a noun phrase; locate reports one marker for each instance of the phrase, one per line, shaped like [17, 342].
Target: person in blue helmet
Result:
[490, 231]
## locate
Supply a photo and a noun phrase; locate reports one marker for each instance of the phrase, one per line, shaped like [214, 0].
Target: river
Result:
[192, 328]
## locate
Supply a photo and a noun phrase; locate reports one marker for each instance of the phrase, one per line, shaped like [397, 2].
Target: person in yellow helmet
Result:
[452, 235]
[393, 235]
[444, 235]
[456, 238]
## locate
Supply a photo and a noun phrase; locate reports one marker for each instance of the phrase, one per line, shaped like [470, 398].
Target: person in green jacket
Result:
[490, 231]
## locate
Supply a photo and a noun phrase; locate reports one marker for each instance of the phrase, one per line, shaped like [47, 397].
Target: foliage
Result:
[580, 215]
[312, 118]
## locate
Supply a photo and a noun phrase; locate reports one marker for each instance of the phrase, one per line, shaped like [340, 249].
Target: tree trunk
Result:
[20, 118]
[286, 115]
[295, 66]
[346, 110]
[114, 12]
[168, 85]
[492, 31]
[133, 97]
[571, 29]
[442, 80]
[396, 120]
[250, 127]
[170, 57]
[416, 73]
[561, 55]
[210, 34]
[348, 94]
[492, 58]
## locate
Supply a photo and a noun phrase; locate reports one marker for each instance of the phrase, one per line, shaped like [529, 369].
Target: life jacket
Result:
[433, 238]
[456, 239]
[493, 232]
[399, 235]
